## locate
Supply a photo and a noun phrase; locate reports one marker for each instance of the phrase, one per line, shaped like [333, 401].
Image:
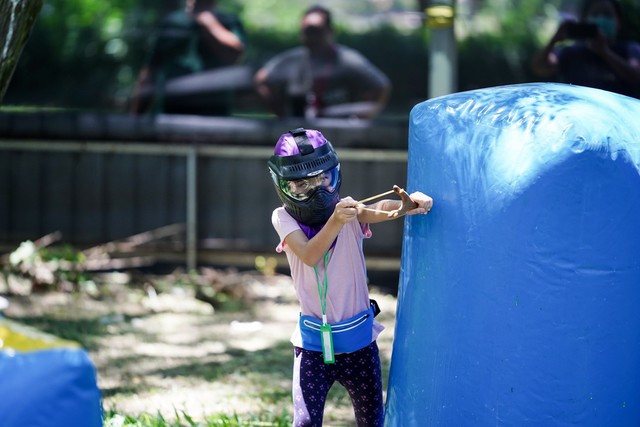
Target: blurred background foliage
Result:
[85, 54]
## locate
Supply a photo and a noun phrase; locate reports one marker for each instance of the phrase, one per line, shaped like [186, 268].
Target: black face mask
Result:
[316, 210]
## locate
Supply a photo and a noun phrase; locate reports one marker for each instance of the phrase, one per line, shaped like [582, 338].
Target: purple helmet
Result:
[306, 173]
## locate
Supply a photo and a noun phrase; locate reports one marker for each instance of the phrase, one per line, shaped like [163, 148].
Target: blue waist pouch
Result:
[349, 335]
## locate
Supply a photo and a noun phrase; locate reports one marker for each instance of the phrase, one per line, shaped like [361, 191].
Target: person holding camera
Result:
[590, 52]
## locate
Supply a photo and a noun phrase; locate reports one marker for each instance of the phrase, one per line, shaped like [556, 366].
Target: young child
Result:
[321, 235]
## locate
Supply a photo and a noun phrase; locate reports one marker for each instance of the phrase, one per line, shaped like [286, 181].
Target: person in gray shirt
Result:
[321, 78]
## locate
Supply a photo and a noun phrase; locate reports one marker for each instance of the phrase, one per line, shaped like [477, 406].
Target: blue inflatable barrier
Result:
[44, 381]
[519, 293]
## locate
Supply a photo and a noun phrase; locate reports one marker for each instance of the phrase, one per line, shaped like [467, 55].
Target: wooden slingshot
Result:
[407, 203]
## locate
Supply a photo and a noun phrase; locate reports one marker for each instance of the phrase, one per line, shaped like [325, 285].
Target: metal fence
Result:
[207, 174]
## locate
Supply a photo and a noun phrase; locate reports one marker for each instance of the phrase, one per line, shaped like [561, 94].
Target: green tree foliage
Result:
[403, 58]
[82, 53]
[500, 45]
[631, 24]
[87, 53]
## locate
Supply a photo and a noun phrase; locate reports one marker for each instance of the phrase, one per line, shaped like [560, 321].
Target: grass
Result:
[83, 331]
[264, 370]
[113, 419]
[179, 367]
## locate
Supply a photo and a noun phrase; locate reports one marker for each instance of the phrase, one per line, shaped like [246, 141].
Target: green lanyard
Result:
[325, 330]
[322, 288]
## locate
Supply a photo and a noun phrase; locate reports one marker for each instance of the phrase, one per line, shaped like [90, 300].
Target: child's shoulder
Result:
[280, 216]
[280, 212]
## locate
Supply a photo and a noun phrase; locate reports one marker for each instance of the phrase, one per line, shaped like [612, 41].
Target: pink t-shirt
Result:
[348, 293]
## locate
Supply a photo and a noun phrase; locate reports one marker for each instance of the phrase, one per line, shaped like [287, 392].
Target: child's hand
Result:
[346, 210]
[425, 203]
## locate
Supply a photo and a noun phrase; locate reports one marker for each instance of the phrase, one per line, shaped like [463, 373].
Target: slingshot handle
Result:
[407, 203]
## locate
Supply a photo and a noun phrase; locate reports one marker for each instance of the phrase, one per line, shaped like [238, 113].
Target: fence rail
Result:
[206, 173]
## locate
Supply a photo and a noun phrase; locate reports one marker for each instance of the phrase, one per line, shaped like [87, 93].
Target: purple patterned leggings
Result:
[359, 372]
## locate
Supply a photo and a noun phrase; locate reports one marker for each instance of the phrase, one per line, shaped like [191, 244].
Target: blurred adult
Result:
[590, 53]
[321, 78]
[191, 42]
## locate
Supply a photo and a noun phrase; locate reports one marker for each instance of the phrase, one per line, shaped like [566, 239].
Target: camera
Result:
[578, 30]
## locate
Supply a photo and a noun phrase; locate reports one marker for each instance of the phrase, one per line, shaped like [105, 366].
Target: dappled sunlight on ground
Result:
[170, 353]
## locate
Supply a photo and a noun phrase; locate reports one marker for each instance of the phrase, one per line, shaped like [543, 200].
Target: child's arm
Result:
[425, 203]
[311, 251]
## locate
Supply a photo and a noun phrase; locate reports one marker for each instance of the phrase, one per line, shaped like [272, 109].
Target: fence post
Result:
[440, 17]
[192, 208]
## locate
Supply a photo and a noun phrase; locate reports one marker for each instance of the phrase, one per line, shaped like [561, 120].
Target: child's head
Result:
[306, 173]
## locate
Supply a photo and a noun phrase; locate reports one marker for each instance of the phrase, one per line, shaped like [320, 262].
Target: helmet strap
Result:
[303, 143]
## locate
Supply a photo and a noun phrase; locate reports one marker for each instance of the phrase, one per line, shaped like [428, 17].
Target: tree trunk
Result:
[16, 19]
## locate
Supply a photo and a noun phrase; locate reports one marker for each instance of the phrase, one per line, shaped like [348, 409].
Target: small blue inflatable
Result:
[45, 381]
[519, 293]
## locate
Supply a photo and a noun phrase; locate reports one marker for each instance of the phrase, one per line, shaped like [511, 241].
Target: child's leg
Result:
[311, 384]
[361, 374]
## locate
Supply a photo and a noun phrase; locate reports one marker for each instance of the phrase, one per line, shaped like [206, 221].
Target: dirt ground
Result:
[168, 352]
